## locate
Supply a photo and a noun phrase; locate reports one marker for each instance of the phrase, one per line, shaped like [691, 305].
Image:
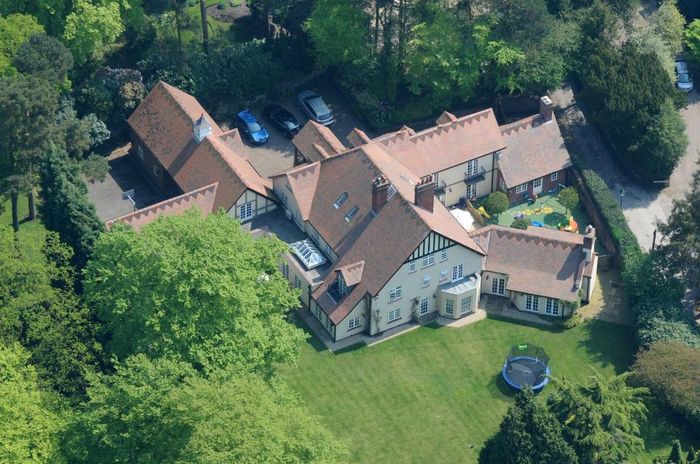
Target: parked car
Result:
[315, 108]
[251, 128]
[282, 119]
[683, 80]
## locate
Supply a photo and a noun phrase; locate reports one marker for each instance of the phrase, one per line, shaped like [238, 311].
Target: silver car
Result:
[683, 80]
[315, 108]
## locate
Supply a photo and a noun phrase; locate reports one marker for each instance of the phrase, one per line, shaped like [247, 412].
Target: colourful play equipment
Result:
[483, 212]
[572, 226]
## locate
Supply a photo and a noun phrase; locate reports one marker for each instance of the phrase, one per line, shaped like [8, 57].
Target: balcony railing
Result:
[475, 177]
[440, 188]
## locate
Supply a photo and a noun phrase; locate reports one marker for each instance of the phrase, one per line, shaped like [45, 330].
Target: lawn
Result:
[435, 395]
[546, 210]
[31, 231]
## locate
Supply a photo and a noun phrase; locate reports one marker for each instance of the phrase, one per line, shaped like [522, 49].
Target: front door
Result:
[498, 286]
[537, 186]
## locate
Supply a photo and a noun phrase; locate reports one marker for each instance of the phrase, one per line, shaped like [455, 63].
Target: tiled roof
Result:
[316, 141]
[451, 142]
[352, 273]
[302, 181]
[382, 239]
[539, 261]
[201, 198]
[164, 121]
[535, 148]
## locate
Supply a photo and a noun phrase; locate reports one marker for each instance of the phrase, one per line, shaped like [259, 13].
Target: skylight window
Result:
[308, 254]
[341, 200]
[391, 192]
[353, 211]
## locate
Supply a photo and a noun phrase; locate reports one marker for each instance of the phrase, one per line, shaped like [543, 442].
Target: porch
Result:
[501, 307]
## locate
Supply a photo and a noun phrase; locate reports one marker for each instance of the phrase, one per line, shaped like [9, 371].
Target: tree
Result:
[46, 57]
[692, 457]
[680, 245]
[196, 289]
[66, 208]
[692, 40]
[28, 106]
[162, 411]
[529, 433]
[338, 30]
[496, 203]
[676, 456]
[40, 310]
[30, 420]
[92, 27]
[568, 199]
[600, 420]
[15, 29]
[521, 223]
[670, 371]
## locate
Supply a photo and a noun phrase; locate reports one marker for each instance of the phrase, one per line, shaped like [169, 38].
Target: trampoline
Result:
[525, 365]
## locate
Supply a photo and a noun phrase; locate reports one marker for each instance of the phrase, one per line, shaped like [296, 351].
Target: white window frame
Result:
[552, 306]
[449, 306]
[394, 315]
[394, 294]
[537, 183]
[532, 303]
[465, 305]
[436, 178]
[521, 188]
[443, 274]
[443, 255]
[554, 176]
[354, 323]
[498, 286]
[424, 306]
[428, 260]
[471, 191]
[472, 167]
[245, 211]
[297, 282]
[411, 267]
[426, 280]
[457, 272]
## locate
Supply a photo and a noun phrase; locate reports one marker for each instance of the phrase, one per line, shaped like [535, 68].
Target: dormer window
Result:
[342, 288]
[341, 200]
[353, 211]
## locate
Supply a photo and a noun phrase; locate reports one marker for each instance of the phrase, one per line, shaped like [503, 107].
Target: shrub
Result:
[568, 198]
[521, 223]
[496, 203]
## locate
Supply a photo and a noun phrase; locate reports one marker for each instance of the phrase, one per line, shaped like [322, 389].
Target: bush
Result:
[496, 203]
[571, 321]
[521, 223]
[568, 198]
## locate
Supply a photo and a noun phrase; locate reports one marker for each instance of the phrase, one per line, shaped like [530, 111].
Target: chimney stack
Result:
[546, 108]
[380, 193]
[201, 128]
[425, 193]
[589, 242]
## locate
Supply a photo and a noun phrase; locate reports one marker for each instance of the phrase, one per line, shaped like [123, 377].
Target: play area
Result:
[546, 211]
[526, 365]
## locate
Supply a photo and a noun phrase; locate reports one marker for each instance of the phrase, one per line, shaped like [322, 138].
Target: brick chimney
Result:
[546, 108]
[425, 193]
[380, 189]
[589, 242]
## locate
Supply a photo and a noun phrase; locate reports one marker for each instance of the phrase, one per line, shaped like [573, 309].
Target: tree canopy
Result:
[195, 289]
[15, 29]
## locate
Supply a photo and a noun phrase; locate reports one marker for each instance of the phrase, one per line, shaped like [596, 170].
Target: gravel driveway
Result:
[642, 206]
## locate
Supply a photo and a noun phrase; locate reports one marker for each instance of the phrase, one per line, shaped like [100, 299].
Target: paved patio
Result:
[609, 301]
[500, 307]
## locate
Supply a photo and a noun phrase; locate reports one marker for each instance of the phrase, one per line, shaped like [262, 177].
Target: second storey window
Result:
[428, 260]
[472, 167]
[394, 293]
[426, 280]
[443, 274]
[412, 267]
[443, 255]
[297, 282]
[457, 272]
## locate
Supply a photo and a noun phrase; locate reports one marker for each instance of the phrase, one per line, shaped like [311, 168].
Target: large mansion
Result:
[373, 242]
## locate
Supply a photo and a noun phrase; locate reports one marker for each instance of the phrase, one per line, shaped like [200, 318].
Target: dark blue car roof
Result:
[247, 116]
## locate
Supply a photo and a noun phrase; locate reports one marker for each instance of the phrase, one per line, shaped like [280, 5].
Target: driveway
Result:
[642, 206]
[277, 154]
[122, 176]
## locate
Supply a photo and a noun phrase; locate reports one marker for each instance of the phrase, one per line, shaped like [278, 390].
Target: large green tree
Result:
[65, 207]
[529, 434]
[15, 29]
[601, 419]
[195, 289]
[31, 421]
[28, 106]
[46, 57]
[91, 27]
[162, 411]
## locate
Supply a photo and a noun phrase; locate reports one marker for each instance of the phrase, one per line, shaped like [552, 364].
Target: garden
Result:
[436, 394]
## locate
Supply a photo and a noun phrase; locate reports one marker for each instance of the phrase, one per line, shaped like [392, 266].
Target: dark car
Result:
[251, 128]
[315, 108]
[282, 120]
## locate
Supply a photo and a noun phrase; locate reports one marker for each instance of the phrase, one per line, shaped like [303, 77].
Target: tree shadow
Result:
[609, 344]
[554, 219]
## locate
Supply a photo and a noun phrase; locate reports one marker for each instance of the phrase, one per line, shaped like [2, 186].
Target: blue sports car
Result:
[251, 128]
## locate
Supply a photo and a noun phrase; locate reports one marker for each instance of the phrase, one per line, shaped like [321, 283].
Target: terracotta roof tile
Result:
[446, 145]
[201, 198]
[535, 149]
[352, 273]
[316, 141]
[539, 261]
